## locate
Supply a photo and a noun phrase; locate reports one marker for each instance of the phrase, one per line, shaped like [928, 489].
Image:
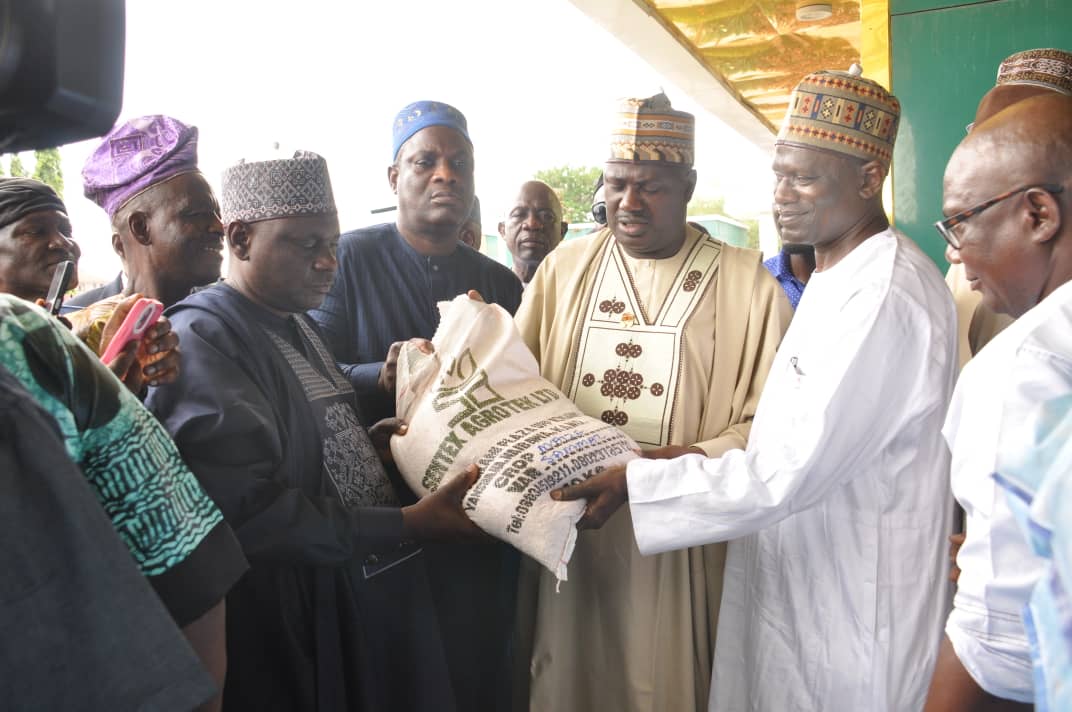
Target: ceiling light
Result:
[811, 10]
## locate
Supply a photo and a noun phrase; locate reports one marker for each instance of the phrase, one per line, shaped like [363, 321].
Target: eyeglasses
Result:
[945, 227]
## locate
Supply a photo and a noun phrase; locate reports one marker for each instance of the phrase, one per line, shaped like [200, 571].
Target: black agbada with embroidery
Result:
[336, 612]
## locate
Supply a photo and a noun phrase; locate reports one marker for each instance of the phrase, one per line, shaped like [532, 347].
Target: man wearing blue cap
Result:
[389, 280]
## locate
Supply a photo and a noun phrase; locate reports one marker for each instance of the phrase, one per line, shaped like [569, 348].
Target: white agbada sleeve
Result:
[830, 405]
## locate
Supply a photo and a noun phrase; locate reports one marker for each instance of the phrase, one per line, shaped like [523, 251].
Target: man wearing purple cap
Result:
[389, 281]
[165, 220]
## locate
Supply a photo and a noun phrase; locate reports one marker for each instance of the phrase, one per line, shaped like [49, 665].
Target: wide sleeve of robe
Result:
[833, 415]
[237, 423]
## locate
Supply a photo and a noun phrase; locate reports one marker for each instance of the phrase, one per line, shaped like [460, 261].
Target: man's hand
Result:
[605, 493]
[440, 514]
[380, 435]
[670, 452]
[389, 370]
[156, 355]
[955, 542]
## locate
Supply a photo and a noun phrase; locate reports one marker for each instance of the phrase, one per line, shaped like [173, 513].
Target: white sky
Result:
[536, 79]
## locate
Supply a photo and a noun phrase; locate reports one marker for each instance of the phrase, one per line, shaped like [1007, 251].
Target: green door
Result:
[945, 56]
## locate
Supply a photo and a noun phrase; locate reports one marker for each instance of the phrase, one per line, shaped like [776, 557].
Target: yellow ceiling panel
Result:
[760, 47]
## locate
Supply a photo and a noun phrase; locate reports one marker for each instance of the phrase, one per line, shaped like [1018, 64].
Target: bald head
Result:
[1031, 138]
[1019, 249]
[533, 226]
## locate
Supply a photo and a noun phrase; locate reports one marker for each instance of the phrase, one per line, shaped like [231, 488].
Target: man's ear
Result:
[392, 177]
[1043, 215]
[502, 230]
[138, 226]
[565, 229]
[239, 240]
[117, 247]
[872, 175]
[690, 185]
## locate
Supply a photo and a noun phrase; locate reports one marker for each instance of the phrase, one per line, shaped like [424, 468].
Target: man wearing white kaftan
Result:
[1015, 251]
[832, 596]
[1032, 362]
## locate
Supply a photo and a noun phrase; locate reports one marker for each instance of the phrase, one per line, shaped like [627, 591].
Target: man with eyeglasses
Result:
[1020, 76]
[837, 507]
[1010, 225]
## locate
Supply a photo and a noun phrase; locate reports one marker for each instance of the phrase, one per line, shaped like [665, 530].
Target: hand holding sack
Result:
[479, 398]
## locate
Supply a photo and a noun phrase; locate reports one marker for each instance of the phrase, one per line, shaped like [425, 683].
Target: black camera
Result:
[61, 70]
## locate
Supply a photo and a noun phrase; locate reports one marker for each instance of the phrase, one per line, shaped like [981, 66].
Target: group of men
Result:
[816, 442]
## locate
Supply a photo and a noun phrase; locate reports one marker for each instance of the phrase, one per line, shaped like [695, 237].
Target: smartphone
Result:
[142, 315]
[61, 282]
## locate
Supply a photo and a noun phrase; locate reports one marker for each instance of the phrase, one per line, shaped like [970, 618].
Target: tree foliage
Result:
[49, 169]
[15, 167]
[707, 206]
[574, 187]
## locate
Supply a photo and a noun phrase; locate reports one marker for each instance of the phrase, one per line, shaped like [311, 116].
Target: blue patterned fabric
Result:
[154, 502]
[1035, 467]
[779, 267]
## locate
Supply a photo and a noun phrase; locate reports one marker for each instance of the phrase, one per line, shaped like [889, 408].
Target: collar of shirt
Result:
[435, 263]
[780, 268]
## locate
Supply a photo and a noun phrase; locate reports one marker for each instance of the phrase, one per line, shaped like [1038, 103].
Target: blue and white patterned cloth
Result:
[1035, 467]
[779, 267]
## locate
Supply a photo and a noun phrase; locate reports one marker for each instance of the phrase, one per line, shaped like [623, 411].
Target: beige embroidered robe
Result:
[626, 632]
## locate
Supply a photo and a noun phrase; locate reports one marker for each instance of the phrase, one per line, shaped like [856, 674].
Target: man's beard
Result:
[794, 248]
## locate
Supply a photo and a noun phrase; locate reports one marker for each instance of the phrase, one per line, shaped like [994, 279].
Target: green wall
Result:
[944, 57]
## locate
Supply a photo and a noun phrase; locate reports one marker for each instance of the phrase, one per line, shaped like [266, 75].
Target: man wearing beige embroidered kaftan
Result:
[668, 333]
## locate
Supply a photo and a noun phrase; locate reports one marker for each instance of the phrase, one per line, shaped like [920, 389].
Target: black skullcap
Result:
[21, 196]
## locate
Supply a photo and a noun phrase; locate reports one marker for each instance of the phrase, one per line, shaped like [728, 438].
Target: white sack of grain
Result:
[480, 399]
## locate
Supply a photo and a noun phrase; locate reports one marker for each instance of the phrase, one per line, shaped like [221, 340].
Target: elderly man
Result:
[836, 509]
[655, 326]
[1006, 195]
[1020, 76]
[533, 226]
[165, 220]
[336, 612]
[390, 279]
[35, 237]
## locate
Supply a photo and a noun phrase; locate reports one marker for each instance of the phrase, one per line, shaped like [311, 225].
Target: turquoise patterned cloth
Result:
[155, 503]
[1035, 467]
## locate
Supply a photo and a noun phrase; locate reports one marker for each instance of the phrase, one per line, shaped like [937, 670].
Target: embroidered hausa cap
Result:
[651, 130]
[137, 155]
[1023, 75]
[842, 112]
[422, 114]
[1047, 68]
[283, 188]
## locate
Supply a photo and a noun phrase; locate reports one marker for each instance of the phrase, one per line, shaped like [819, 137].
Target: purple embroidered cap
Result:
[136, 156]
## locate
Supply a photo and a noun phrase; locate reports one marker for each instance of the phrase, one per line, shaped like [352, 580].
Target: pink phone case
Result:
[142, 315]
